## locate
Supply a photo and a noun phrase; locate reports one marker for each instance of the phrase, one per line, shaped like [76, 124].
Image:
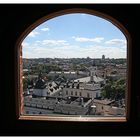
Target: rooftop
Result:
[87, 79]
[65, 72]
[105, 102]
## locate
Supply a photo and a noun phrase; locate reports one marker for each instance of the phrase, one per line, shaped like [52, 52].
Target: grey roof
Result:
[64, 72]
[105, 102]
[40, 84]
[87, 79]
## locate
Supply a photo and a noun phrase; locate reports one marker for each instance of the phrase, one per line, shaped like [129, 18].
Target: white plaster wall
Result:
[84, 93]
[40, 92]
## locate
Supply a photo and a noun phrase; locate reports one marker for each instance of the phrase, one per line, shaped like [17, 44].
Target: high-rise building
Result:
[103, 57]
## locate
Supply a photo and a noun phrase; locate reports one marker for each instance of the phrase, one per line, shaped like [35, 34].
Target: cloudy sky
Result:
[75, 36]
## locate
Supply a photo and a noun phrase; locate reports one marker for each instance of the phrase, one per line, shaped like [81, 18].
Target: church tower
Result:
[40, 89]
[93, 71]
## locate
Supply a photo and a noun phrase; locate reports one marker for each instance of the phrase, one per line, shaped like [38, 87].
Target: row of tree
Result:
[44, 68]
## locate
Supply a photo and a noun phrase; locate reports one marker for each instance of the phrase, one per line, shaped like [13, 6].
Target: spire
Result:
[93, 63]
[40, 75]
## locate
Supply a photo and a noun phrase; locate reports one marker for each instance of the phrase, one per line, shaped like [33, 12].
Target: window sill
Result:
[74, 119]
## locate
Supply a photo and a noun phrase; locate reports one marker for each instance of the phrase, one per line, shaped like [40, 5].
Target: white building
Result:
[89, 87]
[82, 92]
[40, 89]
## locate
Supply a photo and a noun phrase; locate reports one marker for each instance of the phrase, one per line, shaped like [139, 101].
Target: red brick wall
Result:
[21, 84]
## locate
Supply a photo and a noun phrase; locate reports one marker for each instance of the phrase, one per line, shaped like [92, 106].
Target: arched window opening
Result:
[81, 48]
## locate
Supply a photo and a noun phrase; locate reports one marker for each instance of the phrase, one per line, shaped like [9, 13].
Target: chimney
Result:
[69, 100]
[67, 84]
[72, 85]
[82, 101]
[78, 85]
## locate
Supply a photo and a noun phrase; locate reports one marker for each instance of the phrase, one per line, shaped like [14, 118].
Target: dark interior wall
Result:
[14, 19]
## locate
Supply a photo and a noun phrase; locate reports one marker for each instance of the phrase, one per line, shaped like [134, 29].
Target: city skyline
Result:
[72, 58]
[73, 36]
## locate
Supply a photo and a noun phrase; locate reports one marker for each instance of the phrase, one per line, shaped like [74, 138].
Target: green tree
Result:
[25, 84]
[114, 89]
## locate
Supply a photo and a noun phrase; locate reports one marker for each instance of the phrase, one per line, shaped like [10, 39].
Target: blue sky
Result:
[75, 36]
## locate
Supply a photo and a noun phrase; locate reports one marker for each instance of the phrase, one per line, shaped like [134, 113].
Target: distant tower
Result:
[103, 57]
[93, 63]
[93, 71]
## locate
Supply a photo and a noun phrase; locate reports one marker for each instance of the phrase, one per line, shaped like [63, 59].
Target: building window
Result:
[71, 92]
[97, 95]
[88, 95]
[66, 92]
[40, 65]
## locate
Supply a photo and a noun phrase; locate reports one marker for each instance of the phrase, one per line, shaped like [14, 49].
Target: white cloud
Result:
[45, 29]
[33, 34]
[54, 42]
[98, 51]
[70, 51]
[116, 42]
[28, 47]
[84, 39]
